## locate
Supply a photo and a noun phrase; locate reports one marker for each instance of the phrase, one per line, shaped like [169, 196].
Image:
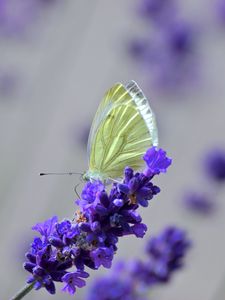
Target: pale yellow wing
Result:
[123, 129]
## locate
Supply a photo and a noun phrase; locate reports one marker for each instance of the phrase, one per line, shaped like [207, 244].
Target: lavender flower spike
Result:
[64, 249]
[167, 251]
[199, 202]
[159, 11]
[165, 255]
[215, 165]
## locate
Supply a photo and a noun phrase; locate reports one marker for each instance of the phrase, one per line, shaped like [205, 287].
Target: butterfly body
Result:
[123, 128]
[94, 175]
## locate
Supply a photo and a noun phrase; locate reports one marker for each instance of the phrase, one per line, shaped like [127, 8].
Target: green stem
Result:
[24, 291]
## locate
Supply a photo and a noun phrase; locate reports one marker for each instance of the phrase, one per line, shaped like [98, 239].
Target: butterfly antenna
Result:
[62, 173]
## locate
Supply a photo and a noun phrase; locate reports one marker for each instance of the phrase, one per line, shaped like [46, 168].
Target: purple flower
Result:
[16, 16]
[139, 230]
[180, 38]
[89, 194]
[159, 11]
[74, 279]
[157, 162]
[168, 54]
[137, 48]
[137, 187]
[220, 10]
[215, 165]
[139, 190]
[167, 251]
[102, 256]
[47, 227]
[8, 82]
[199, 203]
[67, 230]
[143, 272]
[113, 288]
[45, 268]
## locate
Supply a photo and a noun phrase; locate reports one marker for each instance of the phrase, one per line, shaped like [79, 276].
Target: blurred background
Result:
[57, 60]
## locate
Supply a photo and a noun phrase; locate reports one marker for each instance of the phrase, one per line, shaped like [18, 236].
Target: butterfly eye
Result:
[110, 117]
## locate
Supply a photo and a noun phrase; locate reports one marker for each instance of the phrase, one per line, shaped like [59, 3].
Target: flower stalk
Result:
[24, 291]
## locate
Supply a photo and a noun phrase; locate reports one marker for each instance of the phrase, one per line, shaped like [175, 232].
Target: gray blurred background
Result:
[53, 74]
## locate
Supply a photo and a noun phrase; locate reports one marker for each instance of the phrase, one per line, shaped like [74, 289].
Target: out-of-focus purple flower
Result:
[168, 54]
[199, 203]
[8, 83]
[172, 60]
[167, 251]
[143, 272]
[160, 11]
[74, 279]
[180, 37]
[215, 165]
[138, 48]
[113, 288]
[220, 10]
[16, 16]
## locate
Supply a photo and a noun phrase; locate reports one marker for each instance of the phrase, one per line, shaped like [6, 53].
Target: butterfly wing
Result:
[123, 129]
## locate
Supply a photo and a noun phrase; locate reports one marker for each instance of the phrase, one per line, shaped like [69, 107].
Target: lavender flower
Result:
[199, 203]
[16, 16]
[65, 248]
[102, 256]
[167, 251]
[138, 189]
[172, 56]
[220, 10]
[8, 83]
[74, 279]
[215, 165]
[168, 53]
[113, 288]
[47, 227]
[159, 11]
[165, 254]
[157, 162]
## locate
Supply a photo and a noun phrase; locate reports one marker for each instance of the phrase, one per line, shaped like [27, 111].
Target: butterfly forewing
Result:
[119, 135]
[112, 96]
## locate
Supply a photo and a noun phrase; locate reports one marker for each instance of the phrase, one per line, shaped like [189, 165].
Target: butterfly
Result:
[123, 128]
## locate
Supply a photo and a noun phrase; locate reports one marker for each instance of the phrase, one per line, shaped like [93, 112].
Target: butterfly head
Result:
[86, 176]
